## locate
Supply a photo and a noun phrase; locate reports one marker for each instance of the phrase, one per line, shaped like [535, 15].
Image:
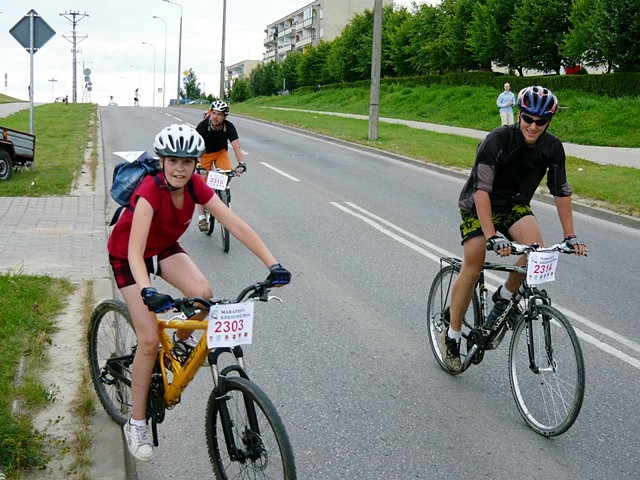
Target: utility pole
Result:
[74, 18]
[376, 54]
[224, 28]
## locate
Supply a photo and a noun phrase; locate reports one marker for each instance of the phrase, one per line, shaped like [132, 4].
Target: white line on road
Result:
[377, 222]
[279, 171]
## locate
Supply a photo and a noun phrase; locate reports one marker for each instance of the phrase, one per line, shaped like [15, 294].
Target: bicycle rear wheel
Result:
[262, 447]
[438, 307]
[111, 344]
[549, 399]
[224, 196]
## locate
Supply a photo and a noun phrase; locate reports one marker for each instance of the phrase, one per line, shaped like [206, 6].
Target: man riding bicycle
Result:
[217, 133]
[510, 164]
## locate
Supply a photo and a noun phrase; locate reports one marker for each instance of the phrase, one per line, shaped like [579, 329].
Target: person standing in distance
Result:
[506, 101]
[144, 240]
[510, 164]
[217, 133]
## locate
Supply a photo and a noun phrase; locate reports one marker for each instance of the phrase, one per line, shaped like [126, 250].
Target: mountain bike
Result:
[220, 181]
[546, 368]
[245, 435]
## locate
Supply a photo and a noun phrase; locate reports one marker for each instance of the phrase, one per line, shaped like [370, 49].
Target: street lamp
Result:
[52, 80]
[179, 48]
[154, 70]
[138, 87]
[164, 75]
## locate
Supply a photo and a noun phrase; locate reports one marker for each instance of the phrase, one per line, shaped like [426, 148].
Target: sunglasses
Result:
[541, 122]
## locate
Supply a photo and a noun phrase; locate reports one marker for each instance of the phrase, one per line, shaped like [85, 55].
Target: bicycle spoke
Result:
[549, 398]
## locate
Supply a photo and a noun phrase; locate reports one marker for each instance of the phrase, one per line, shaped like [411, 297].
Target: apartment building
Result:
[239, 71]
[319, 20]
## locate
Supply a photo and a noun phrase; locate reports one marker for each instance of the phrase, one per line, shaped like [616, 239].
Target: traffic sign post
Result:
[32, 32]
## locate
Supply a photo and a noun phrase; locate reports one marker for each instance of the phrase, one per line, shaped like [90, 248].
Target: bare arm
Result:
[237, 151]
[140, 226]
[565, 213]
[241, 230]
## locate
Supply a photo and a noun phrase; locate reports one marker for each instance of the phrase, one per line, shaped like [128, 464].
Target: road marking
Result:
[385, 227]
[280, 172]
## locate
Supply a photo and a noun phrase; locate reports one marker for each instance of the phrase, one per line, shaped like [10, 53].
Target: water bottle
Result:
[497, 310]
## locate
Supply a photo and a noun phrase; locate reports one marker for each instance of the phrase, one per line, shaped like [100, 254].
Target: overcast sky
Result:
[110, 45]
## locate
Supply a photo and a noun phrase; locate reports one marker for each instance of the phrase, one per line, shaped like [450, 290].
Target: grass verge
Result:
[62, 135]
[584, 119]
[27, 321]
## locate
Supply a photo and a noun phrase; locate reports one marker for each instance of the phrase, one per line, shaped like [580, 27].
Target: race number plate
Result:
[541, 267]
[230, 325]
[217, 181]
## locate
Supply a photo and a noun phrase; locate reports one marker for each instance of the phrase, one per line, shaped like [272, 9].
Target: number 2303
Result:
[228, 326]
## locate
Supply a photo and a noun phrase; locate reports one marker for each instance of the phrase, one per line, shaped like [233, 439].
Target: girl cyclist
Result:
[145, 240]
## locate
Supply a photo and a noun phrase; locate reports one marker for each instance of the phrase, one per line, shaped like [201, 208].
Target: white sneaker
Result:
[138, 441]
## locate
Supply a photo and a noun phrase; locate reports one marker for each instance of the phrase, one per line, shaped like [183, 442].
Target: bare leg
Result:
[462, 289]
[146, 329]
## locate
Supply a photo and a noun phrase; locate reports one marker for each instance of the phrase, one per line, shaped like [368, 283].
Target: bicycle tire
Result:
[224, 233]
[437, 317]
[111, 334]
[211, 221]
[271, 457]
[549, 401]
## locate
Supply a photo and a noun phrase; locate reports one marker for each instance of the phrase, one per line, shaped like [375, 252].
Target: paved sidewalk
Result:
[66, 237]
[626, 157]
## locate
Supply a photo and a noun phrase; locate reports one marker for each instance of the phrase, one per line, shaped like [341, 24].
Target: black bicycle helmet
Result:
[220, 106]
[179, 141]
[537, 101]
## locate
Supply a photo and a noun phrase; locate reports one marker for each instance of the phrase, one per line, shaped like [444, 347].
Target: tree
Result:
[287, 76]
[458, 15]
[488, 33]
[537, 31]
[191, 86]
[621, 44]
[312, 69]
[240, 90]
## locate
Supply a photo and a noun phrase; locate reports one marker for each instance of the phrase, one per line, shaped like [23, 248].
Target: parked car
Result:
[17, 149]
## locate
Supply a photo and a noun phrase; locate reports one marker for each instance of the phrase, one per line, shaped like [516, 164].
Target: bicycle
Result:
[221, 186]
[245, 434]
[546, 368]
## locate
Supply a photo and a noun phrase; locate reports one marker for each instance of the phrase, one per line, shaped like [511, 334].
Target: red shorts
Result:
[122, 273]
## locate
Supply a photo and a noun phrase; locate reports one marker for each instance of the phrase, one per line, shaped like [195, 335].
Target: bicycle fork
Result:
[219, 380]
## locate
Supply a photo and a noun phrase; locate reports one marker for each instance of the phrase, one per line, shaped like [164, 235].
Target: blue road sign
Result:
[42, 32]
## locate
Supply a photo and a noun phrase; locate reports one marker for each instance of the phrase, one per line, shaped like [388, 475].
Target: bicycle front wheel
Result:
[547, 375]
[438, 307]
[211, 221]
[224, 196]
[258, 446]
[111, 342]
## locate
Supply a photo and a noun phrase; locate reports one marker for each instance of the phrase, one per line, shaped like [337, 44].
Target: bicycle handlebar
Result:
[187, 305]
[521, 249]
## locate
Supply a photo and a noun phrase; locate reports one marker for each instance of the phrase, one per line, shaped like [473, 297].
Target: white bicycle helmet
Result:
[179, 141]
[220, 106]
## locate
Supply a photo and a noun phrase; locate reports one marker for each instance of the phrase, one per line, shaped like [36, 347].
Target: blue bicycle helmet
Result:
[537, 101]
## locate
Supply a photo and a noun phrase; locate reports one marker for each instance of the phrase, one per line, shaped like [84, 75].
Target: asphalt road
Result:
[345, 358]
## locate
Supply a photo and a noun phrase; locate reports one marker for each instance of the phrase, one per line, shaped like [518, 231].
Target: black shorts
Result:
[122, 272]
[502, 221]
